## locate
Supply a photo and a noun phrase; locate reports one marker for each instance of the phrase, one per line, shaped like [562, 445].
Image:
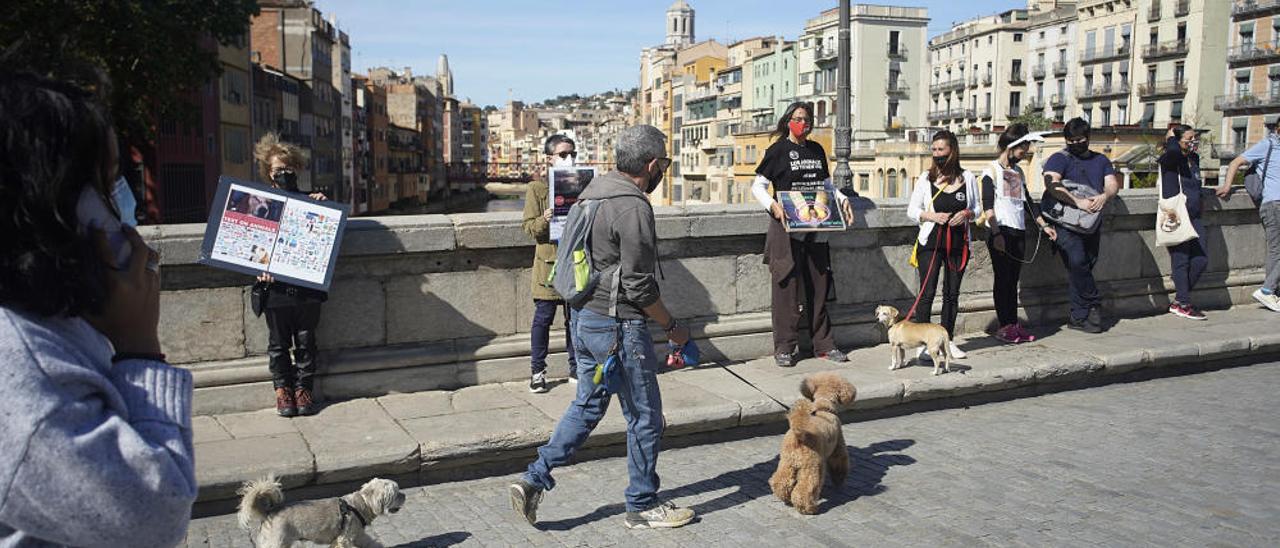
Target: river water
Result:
[511, 204]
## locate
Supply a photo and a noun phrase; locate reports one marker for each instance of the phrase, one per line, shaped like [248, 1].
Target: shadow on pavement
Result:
[867, 469]
[441, 540]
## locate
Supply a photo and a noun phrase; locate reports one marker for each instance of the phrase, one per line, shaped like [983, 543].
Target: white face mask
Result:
[563, 162]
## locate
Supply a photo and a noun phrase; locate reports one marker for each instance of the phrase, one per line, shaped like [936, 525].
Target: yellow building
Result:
[234, 129]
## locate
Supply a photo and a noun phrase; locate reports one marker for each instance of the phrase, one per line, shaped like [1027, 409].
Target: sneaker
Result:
[1022, 334]
[302, 398]
[956, 352]
[784, 360]
[1269, 300]
[924, 358]
[525, 497]
[1008, 334]
[1095, 318]
[538, 383]
[1083, 325]
[834, 356]
[1186, 311]
[665, 515]
[284, 402]
[573, 379]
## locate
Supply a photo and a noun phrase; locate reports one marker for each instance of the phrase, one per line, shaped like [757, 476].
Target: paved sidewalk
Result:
[436, 435]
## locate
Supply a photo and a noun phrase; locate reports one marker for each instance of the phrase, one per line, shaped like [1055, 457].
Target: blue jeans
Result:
[1188, 261]
[1079, 252]
[544, 314]
[595, 335]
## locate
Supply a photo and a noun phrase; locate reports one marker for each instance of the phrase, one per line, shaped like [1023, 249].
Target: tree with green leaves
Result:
[155, 52]
[1034, 120]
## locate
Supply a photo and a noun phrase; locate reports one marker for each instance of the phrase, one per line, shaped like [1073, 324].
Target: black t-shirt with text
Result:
[794, 167]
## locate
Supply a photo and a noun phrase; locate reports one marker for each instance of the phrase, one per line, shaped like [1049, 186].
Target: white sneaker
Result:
[1271, 301]
[924, 357]
[538, 383]
[956, 352]
[573, 380]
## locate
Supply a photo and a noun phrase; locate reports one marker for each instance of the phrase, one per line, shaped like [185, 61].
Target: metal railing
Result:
[897, 51]
[973, 81]
[986, 79]
[1097, 55]
[1057, 100]
[1036, 104]
[1227, 151]
[1121, 88]
[1171, 87]
[1017, 77]
[896, 87]
[1173, 48]
[984, 112]
[1038, 72]
[825, 54]
[1246, 9]
[1060, 68]
[1254, 51]
[936, 115]
[895, 122]
[949, 85]
[1247, 101]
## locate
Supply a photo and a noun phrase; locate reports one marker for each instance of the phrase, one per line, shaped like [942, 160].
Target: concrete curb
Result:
[436, 435]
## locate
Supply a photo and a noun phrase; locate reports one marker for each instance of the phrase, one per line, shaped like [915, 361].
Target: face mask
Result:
[563, 162]
[1078, 149]
[287, 180]
[654, 181]
[798, 129]
[940, 161]
[122, 194]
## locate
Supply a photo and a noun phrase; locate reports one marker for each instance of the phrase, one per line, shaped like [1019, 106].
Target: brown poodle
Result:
[814, 446]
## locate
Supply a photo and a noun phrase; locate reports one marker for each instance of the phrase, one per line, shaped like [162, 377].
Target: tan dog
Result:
[908, 334]
[814, 445]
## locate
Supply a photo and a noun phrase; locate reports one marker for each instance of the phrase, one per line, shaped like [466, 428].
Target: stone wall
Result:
[435, 302]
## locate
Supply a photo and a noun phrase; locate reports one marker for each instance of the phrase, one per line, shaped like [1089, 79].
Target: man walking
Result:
[622, 238]
[1259, 156]
[560, 151]
[1079, 252]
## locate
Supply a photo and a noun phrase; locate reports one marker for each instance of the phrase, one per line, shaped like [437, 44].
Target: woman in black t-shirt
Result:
[799, 263]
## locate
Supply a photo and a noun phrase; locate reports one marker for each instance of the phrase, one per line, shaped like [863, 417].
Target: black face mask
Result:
[287, 180]
[654, 181]
[940, 160]
[1078, 150]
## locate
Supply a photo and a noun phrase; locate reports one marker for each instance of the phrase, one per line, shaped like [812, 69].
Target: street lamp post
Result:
[843, 175]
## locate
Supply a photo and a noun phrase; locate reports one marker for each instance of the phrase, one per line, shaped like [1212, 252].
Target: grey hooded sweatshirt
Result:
[623, 236]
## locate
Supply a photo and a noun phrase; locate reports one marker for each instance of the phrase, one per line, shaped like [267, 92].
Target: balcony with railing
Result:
[1248, 102]
[1172, 48]
[973, 82]
[1036, 104]
[1014, 111]
[1250, 9]
[963, 113]
[1182, 8]
[1254, 52]
[1227, 151]
[896, 87]
[1162, 89]
[986, 79]
[895, 122]
[1057, 100]
[1100, 54]
[1104, 90]
[983, 112]
[937, 115]
[1060, 68]
[1017, 76]
[825, 54]
[1038, 72]
[897, 51]
[949, 85]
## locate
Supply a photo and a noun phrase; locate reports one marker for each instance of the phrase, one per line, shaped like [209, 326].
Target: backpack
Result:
[573, 276]
[1255, 178]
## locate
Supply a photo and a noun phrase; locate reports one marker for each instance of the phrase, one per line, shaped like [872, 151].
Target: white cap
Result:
[1035, 136]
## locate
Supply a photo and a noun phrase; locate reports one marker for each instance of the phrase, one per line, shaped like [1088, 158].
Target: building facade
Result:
[1250, 99]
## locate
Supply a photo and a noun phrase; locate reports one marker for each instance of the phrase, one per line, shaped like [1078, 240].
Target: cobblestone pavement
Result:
[1180, 461]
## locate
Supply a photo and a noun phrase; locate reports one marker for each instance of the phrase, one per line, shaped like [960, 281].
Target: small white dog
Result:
[337, 522]
[908, 334]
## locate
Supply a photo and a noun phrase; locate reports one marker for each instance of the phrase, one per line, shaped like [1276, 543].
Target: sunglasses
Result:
[567, 154]
[663, 163]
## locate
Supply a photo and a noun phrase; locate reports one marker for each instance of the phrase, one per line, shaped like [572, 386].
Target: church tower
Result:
[444, 75]
[680, 24]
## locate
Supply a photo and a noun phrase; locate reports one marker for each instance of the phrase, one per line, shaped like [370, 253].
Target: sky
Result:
[535, 50]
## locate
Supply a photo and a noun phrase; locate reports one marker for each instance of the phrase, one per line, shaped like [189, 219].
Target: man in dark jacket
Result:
[622, 237]
[560, 150]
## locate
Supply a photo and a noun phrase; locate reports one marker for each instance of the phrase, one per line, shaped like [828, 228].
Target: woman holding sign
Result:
[945, 199]
[799, 259]
[293, 313]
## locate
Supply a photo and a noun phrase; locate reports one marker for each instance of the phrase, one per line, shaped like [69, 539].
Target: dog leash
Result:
[757, 388]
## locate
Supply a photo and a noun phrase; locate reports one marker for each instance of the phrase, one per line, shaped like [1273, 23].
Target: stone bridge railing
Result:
[442, 301]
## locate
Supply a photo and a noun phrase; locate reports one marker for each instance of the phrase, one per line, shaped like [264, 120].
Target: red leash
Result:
[964, 261]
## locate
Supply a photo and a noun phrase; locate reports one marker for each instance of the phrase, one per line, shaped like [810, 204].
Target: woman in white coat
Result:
[945, 199]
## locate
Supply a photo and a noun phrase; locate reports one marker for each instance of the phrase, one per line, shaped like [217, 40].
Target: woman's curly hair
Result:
[270, 146]
[55, 141]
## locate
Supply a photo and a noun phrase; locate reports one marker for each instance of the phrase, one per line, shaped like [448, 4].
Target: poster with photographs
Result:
[812, 209]
[254, 228]
[564, 185]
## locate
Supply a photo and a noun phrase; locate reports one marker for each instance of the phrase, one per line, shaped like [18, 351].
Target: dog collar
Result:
[347, 509]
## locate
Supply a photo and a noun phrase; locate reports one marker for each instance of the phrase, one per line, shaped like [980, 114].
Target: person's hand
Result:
[1052, 232]
[776, 209]
[960, 218]
[264, 277]
[997, 242]
[846, 207]
[1169, 133]
[130, 317]
[1083, 203]
[1223, 191]
[679, 335]
[546, 215]
[1096, 203]
[318, 196]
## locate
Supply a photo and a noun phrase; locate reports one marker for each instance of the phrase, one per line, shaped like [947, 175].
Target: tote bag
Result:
[1171, 232]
